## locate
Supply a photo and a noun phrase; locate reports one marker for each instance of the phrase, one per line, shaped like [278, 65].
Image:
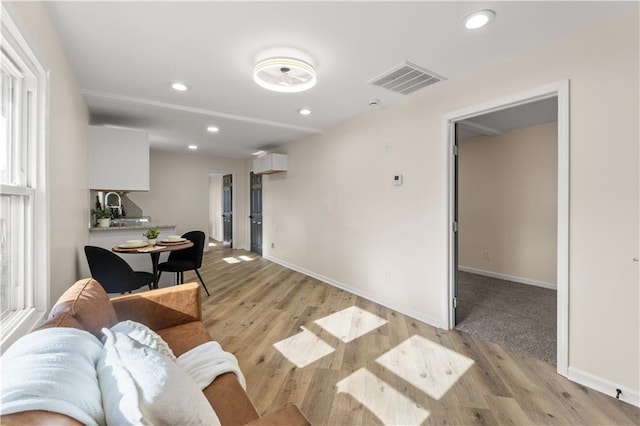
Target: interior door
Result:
[256, 212]
[227, 210]
[455, 223]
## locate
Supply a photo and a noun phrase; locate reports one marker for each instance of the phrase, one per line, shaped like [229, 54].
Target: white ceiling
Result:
[126, 53]
[504, 120]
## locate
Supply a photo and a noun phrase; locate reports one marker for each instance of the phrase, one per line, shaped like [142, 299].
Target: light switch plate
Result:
[397, 179]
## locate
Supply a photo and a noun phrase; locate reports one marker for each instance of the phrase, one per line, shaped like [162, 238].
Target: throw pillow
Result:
[142, 386]
[144, 335]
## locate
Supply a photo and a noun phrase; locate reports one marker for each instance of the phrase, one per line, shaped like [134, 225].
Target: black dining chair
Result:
[113, 272]
[186, 260]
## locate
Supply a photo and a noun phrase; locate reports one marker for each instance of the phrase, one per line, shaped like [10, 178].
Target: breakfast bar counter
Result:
[137, 226]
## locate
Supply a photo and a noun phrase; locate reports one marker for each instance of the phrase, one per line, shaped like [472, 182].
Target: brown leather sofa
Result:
[175, 313]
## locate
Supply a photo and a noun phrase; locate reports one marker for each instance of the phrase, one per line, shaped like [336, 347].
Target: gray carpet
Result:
[517, 316]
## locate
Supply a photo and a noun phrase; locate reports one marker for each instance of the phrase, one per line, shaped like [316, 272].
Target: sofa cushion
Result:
[141, 386]
[184, 337]
[63, 320]
[88, 303]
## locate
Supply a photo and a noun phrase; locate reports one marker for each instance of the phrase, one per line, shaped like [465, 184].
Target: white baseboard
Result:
[359, 292]
[631, 396]
[507, 277]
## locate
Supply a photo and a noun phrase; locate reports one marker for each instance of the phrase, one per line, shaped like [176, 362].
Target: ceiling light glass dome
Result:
[284, 74]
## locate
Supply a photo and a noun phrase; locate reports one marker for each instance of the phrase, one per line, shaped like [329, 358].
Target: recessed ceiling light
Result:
[304, 111]
[479, 19]
[284, 74]
[193, 146]
[180, 87]
[212, 129]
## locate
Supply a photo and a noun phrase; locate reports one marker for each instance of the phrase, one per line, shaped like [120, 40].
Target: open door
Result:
[256, 212]
[455, 223]
[227, 210]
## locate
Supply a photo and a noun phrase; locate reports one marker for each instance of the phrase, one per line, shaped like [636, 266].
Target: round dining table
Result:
[154, 251]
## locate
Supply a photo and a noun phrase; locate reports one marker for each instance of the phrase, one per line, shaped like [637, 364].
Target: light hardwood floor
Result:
[255, 304]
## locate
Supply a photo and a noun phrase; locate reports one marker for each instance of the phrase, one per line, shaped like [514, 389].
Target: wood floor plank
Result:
[507, 411]
[255, 304]
[319, 397]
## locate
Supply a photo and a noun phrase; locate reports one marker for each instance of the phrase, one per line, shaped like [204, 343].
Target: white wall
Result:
[68, 175]
[215, 207]
[179, 192]
[336, 214]
[507, 203]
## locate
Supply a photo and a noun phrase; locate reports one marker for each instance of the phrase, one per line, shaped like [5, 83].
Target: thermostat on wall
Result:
[397, 179]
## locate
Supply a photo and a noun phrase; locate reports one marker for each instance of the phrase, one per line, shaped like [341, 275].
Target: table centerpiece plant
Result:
[152, 235]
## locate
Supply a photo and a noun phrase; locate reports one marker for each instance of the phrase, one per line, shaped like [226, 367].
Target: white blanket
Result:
[141, 386]
[53, 370]
[206, 362]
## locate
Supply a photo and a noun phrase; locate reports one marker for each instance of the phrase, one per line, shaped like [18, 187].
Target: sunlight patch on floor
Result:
[428, 366]
[303, 348]
[389, 405]
[351, 323]
[238, 259]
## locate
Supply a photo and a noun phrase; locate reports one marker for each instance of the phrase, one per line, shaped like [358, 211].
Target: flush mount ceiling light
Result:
[212, 129]
[179, 87]
[284, 74]
[479, 19]
[193, 147]
[304, 111]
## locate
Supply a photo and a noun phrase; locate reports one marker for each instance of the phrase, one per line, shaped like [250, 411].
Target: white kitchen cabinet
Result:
[118, 159]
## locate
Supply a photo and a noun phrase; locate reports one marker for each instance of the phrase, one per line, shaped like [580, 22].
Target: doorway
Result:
[255, 189]
[220, 207]
[506, 239]
[215, 206]
[227, 210]
[560, 91]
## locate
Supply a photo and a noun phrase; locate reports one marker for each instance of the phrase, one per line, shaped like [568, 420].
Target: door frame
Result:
[251, 172]
[561, 91]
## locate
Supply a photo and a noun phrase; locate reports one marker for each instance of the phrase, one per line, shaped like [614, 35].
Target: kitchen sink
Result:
[130, 221]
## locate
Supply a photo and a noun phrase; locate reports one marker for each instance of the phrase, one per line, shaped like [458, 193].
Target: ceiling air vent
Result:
[406, 78]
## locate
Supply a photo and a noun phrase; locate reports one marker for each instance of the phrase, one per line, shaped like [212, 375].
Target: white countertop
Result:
[146, 225]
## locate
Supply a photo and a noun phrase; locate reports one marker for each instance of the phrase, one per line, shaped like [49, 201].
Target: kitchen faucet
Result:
[119, 206]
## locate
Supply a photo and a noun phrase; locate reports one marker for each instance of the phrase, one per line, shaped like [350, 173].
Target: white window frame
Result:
[30, 299]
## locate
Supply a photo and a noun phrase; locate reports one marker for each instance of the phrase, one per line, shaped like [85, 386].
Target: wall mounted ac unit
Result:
[270, 163]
